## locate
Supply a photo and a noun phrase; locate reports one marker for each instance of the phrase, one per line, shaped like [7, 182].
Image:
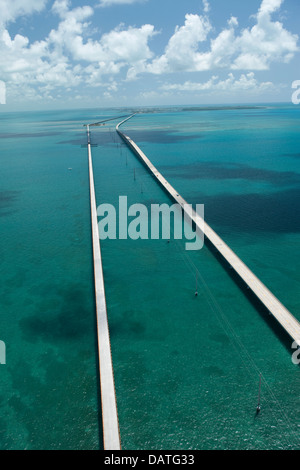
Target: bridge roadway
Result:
[111, 434]
[290, 324]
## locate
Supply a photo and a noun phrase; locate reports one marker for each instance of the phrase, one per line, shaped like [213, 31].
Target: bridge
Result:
[285, 318]
[110, 423]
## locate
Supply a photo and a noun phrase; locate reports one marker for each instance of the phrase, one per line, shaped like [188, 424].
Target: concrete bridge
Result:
[111, 434]
[290, 324]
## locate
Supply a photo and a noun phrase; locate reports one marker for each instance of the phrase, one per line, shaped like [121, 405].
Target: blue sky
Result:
[86, 53]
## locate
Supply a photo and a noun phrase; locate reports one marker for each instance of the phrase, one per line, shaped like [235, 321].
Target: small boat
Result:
[258, 408]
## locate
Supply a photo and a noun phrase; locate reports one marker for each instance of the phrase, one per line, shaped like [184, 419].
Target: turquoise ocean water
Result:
[186, 368]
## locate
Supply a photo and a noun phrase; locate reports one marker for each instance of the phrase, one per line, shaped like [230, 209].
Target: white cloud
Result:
[71, 55]
[61, 7]
[65, 58]
[181, 52]
[108, 3]
[10, 10]
[233, 21]
[246, 82]
[254, 48]
[35, 68]
[269, 6]
[122, 46]
[206, 6]
[266, 42]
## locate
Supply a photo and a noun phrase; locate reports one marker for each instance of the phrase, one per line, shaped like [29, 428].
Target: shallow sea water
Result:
[186, 368]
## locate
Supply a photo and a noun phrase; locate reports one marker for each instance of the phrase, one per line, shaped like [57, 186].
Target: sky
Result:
[57, 54]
